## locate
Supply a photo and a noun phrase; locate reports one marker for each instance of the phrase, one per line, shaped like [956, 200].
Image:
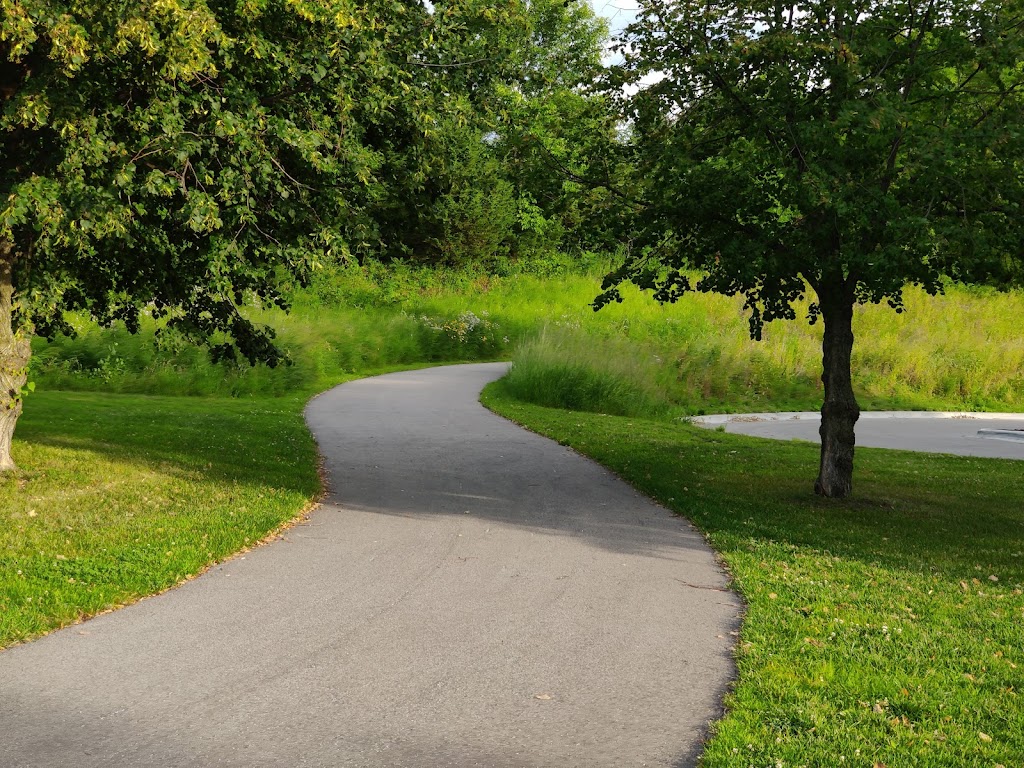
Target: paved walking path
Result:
[990, 435]
[469, 594]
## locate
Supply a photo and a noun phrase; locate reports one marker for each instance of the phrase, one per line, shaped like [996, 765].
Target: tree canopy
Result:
[181, 157]
[852, 147]
[514, 143]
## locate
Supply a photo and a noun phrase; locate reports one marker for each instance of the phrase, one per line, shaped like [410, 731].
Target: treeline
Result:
[523, 133]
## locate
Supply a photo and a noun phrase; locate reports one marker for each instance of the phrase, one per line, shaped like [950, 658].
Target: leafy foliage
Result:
[177, 157]
[557, 134]
[874, 143]
[522, 169]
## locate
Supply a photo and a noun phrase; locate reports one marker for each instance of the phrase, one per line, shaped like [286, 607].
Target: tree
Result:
[521, 121]
[178, 158]
[470, 50]
[852, 147]
[557, 134]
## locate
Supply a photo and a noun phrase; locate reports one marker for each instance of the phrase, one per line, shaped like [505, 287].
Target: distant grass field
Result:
[881, 630]
[963, 350]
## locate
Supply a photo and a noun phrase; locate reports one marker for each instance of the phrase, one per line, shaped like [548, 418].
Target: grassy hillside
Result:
[121, 496]
[959, 351]
[962, 350]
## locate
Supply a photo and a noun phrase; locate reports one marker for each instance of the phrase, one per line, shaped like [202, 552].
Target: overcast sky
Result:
[618, 12]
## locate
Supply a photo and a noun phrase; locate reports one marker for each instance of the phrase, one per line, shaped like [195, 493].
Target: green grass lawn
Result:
[123, 496]
[881, 630]
[885, 629]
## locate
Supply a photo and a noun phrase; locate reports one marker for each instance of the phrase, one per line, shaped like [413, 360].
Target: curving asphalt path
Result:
[469, 594]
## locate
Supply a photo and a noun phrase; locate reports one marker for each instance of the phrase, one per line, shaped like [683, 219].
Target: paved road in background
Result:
[915, 431]
[469, 594]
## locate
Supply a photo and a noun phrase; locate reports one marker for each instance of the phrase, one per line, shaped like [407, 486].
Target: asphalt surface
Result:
[469, 594]
[954, 433]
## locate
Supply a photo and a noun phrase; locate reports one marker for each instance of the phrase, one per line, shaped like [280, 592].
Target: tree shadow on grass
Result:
[120, 496]
[260, 442]
[926, 512]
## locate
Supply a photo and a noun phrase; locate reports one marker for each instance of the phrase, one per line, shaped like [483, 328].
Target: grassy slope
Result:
[123, 496]
[963, 350]
[946, 352]
[876, 631]
[959, 351]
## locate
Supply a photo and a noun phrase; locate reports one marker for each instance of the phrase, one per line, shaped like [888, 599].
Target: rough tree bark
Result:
[15, 351]
[839, 411]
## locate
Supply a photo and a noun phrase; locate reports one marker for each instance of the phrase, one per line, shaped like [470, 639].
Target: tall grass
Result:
[962, 350]
[562, 369]
[322, 348]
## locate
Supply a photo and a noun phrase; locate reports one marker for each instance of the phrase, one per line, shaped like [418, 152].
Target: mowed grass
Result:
[124, 496]
[880, 630]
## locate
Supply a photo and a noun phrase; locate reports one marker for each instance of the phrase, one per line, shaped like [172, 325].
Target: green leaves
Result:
[880, 145]
[186, 154]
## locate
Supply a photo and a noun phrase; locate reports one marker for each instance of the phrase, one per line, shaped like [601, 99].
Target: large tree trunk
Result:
[840, 411]
[15, 351]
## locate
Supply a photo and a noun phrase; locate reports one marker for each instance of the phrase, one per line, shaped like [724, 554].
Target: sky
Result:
[618, 12]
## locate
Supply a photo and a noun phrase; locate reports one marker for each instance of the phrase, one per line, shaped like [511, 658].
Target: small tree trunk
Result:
[15, 351]
[839, 411]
